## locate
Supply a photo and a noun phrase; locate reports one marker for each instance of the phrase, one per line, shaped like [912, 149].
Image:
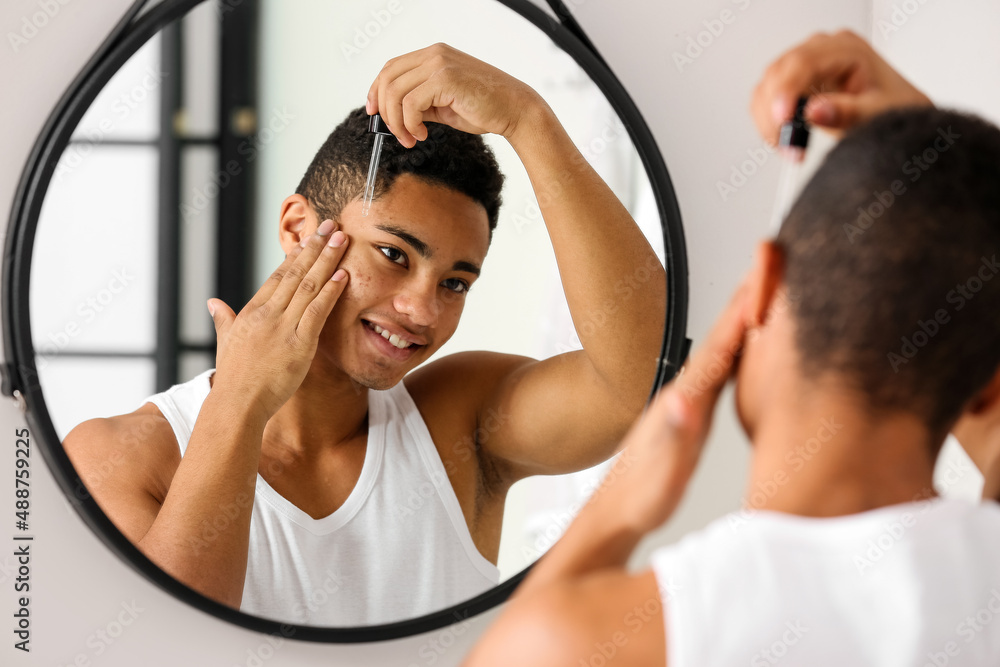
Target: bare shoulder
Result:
[126, 462]
[450, 394]
[454, 388]
[568, 622]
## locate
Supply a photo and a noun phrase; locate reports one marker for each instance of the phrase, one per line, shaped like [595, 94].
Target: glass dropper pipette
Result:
[377, 127]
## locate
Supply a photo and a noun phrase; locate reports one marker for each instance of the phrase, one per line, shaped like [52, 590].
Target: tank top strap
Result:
[414, 433]
[181, 404]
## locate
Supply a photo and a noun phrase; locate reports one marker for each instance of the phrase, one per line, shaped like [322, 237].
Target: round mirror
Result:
[166, 180]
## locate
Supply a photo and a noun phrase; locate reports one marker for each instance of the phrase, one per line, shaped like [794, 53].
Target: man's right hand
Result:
[846, 80]
[264, 353]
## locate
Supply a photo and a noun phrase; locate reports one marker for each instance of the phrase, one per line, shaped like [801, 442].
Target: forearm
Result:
[640, 491]
[615, 285]
[600, 537]
[201, 534]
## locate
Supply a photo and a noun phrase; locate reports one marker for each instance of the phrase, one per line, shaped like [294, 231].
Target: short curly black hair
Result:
[889, 254]
[457, 160]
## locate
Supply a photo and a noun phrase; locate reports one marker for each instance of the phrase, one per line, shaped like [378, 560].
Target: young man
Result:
[281, 482]
[843, 555]
[849, 83]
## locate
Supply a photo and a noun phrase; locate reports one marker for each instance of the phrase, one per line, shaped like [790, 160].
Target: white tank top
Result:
[910, 585]
[399, 546]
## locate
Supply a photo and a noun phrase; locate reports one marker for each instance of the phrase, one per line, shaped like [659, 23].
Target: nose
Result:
[420, 302]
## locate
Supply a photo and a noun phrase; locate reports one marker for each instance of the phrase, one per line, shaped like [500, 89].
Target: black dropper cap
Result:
[377, 126]
[796, 131]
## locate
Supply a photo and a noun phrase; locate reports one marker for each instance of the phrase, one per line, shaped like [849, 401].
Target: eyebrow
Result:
[424, 250]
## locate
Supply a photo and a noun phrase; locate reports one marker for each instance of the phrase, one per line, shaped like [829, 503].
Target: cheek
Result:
[362, 282]
[450, 306]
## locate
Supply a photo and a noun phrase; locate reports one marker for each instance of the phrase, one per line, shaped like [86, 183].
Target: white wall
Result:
[700, 121]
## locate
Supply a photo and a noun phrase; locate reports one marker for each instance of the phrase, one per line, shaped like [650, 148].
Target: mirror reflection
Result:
[425, 427]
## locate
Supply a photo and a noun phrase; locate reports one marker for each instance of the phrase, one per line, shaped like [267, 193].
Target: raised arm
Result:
[567, 412]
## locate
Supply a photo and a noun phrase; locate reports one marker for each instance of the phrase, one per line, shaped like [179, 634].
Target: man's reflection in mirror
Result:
[283, 481]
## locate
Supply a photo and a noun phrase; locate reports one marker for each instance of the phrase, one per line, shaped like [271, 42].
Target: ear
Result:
[298, 220]
[764, 282]
[988, 399]
[976, 430]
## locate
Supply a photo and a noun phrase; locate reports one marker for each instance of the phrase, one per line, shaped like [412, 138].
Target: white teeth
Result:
[392, 338]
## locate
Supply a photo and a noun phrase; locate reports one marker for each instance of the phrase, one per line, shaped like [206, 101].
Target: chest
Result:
[318, 486]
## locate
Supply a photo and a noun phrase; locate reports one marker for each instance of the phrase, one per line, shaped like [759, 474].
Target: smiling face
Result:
[410, 262]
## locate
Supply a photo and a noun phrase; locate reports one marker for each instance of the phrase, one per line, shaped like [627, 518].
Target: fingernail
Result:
[339, 275]
[337, 239]
[823, 113]
[305, 240]
[211, 308]
[325, 228]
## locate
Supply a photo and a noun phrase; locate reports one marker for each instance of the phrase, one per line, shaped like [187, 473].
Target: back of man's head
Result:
[891, 260]
[448, 157]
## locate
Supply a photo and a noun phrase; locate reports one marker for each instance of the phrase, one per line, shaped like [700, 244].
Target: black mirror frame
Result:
[20, 375]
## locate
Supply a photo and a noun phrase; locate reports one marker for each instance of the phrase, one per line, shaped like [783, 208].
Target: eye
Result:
[456, 285]
[394, 255]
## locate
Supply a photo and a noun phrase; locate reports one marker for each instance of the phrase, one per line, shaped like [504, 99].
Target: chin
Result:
[375, 377]
[374, 382]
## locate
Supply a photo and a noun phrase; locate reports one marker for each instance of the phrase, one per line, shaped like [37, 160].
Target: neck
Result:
[818, 454]
[328, 410]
